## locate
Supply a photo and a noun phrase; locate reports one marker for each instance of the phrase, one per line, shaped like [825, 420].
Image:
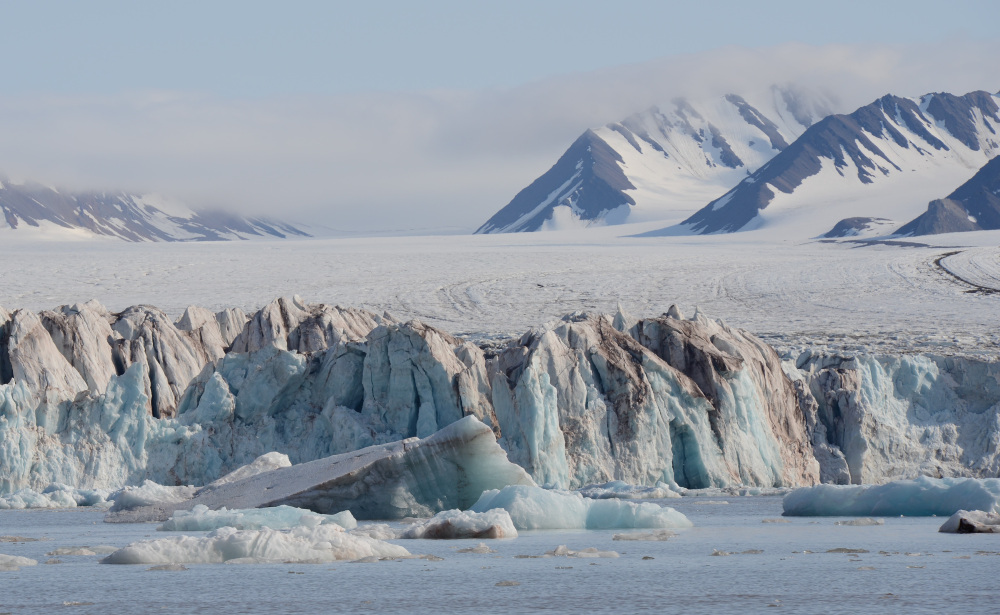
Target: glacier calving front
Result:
[100, 400]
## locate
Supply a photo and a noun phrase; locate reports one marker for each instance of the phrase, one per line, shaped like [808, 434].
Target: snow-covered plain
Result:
[931, 295]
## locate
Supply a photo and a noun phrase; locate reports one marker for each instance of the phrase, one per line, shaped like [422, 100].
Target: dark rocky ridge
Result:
[973, 206]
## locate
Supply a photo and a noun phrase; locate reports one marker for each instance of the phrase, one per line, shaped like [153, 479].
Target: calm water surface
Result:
[909, 568]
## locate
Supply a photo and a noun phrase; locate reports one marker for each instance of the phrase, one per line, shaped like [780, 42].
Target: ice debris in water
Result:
[378, 531]
[201, 519]
[323, 543]
[11, 563]
[55, 495]
[494, 523]
[921, 497]
[83, 550]
[659, 535]
[534, 508]
[972, 522]
[563, 551]
[624, 491]
[862, 521]
[482, 549]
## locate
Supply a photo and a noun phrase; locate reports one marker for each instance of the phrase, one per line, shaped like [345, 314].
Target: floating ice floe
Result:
[972, 522]
[448, 524]
[55, 495]
[200, 519]
[10, 563]
[323, 543]
[624, 491]
[861, 522]
[921, 497]
[534, 508]
[412, 477]
[654, 535]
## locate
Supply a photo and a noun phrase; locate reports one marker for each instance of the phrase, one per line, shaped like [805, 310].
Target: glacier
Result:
[99, 400]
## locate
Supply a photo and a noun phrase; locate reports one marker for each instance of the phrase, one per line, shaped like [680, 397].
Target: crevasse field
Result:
[936, 295]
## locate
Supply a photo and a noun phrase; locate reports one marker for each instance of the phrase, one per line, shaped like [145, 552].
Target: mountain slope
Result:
[36, 209]
[974, 206]
[660, 164]
[873, 162]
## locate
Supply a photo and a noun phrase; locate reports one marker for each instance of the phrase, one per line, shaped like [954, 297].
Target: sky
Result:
[397, 116]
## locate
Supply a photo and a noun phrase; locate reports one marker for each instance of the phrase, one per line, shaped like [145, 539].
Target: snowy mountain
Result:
[38, 210]
[661, 164]
[879, 162]
[974, 206]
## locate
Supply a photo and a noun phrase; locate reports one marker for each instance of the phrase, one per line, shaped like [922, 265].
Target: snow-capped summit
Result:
[885, 160]
[34, 209]
[663, 163]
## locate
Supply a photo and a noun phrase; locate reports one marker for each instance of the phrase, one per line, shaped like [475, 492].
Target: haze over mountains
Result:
[786, 162]
[42, 211]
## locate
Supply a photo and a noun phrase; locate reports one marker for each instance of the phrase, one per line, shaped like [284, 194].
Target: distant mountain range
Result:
[782, 162]
[661, 163]
[44, 210]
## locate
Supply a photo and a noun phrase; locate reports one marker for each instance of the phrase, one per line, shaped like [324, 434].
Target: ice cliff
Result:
[97, 399]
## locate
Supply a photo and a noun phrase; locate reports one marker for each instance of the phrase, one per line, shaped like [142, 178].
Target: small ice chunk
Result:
[972, 522]
[622, 490]
[201, 519]
[862, 521]
[323, 543]
[659, 535]
[449, 524]
[13, 562]
[564, 551]
[534, 508]
[150, 493]
[83, 550]
[482, 548]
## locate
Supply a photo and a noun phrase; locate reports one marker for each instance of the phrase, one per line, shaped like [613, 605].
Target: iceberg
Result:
[972, 522]
[921, 497]
[412, 477]
[12, 563]
[323, 543]
[201, 519]
[534, 508]
[150, 493]
[449, 524]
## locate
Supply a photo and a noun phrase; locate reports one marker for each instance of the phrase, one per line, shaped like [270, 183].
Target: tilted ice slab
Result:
[202, 519]
[412, 477]
[921, 497]
[449, 524]
[534, 508]
[323, 543]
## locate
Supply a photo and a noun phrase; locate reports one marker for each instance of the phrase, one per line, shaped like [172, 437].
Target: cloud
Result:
[419, 160]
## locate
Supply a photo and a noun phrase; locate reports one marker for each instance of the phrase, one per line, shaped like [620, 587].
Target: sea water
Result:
[802, 565]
